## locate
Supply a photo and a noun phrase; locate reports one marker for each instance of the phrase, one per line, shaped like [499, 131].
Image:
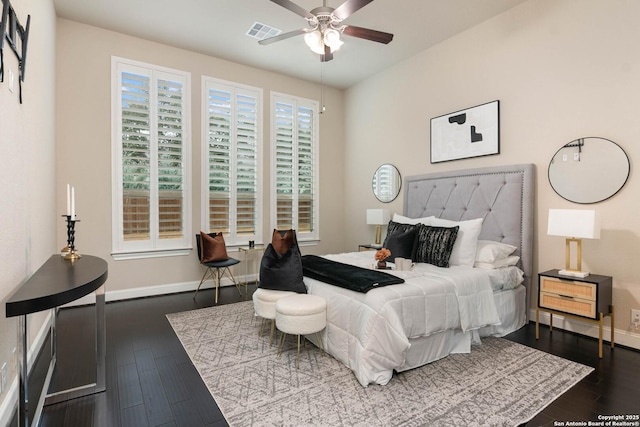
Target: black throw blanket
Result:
[344, 275]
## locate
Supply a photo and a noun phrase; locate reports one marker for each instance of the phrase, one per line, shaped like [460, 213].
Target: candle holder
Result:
[69, 251]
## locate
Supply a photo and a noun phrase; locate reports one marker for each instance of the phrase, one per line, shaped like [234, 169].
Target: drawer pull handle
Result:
[565, 296]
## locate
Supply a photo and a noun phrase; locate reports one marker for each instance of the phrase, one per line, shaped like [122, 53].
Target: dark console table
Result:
[56, 283]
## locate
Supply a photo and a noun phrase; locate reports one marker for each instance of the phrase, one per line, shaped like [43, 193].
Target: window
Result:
[294, 163]
[150, 160]
[231, 146]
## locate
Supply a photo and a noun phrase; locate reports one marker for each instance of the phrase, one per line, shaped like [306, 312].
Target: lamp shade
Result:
[314, 40]
[332, 39]
[378, 216]
[580, 224]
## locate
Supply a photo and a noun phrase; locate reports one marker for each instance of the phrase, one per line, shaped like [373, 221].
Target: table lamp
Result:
[575, 225]
[378, 217]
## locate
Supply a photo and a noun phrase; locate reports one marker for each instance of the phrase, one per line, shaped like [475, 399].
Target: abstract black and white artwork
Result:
[466, 133]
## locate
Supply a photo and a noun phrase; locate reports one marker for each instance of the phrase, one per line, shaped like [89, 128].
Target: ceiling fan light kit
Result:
[324, 35]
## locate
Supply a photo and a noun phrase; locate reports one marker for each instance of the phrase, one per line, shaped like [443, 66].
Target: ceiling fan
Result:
[325, 26]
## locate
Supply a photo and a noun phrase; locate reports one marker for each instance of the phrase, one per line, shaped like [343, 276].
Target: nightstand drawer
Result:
[568, 304]
[569, 288]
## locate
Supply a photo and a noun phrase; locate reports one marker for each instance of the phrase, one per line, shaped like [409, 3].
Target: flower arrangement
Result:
[382, 254]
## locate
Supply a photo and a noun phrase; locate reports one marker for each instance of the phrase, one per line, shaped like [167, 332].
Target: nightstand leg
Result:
[550, 322]
[600, 337]
[612, 324]
[537, 323]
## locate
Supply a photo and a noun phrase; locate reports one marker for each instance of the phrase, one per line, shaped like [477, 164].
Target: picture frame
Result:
[472, 132]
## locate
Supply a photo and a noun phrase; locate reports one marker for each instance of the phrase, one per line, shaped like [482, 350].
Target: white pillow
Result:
[504, 262]
[413, 221]
[464, 249]
[489, 251]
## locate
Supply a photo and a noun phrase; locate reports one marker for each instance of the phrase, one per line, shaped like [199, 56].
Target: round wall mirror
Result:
[386, 183]
[589, 170]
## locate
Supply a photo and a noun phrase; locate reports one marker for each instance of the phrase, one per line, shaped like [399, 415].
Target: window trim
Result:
[305, 238]
[154, 247]
[232, 240]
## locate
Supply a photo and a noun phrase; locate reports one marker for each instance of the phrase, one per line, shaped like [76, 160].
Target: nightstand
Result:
[588, 299]
[368, 247]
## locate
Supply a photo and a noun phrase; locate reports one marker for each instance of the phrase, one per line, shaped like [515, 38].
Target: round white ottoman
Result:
[264, 305]
[301, 314]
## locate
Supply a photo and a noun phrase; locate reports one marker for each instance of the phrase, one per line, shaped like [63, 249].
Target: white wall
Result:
[561, 70]
[28, 213]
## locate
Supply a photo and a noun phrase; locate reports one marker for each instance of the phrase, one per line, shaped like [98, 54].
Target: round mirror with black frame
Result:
[589, 170]
[386, 183]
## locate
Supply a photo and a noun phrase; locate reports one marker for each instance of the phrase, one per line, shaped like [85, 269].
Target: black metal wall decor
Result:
[13, 32]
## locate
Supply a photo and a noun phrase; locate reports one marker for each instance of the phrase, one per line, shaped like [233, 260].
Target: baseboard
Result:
[626, 338]
[148, 291]
[9, 405]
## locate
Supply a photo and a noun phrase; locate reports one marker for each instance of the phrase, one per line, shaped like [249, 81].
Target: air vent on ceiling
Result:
[262, 31]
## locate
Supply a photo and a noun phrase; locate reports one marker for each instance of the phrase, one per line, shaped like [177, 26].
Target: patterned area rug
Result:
[500, 383]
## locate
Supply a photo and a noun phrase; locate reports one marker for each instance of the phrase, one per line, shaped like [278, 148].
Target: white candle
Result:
[73, 204]
[68, 200]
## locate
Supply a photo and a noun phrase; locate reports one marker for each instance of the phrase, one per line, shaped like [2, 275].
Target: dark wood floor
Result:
[151, 381]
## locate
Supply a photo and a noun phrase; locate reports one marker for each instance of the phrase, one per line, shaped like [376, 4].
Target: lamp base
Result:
[574, 273]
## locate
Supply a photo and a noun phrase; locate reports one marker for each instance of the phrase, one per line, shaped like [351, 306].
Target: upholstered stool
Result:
[264, 305]
[301, 314]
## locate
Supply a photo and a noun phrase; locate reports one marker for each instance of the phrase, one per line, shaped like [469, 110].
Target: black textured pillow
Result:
[400, 243]
[434, 245]
[282, 272]
[393, 226]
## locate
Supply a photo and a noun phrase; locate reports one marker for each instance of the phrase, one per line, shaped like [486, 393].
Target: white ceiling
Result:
[218, 27]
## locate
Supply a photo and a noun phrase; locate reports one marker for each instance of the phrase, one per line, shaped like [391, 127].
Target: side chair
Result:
[215, 270]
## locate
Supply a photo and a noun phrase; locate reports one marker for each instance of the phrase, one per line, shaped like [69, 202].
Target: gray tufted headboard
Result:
[502, 195]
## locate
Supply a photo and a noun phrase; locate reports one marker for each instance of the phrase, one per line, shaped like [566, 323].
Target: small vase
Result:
[382, 265]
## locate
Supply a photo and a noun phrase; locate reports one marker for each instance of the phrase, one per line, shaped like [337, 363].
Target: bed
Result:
[438, 311]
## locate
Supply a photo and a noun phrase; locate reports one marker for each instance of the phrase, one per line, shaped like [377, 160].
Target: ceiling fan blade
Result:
[349, 7]
[287, 4]
[328, 56]
[368, 34]
[282, 36]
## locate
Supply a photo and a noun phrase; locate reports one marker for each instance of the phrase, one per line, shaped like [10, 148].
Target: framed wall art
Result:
[466, 133]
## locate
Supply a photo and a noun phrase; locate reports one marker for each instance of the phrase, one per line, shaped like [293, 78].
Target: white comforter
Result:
[370, 332]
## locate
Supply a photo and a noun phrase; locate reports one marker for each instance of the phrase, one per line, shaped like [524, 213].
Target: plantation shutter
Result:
[284, 166]
[219, 154]
[305, 170]
[295, 170]
[151, 162]
[136, 153]
[247, 164]
[232, 147]
[170, 159]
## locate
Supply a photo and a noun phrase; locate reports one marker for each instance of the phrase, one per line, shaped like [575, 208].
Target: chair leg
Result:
[217, 284]
[282, 337]
[201, 281]
[233, 279]
[261, 325]
[273, 328]
[298, 356]
[321, 342]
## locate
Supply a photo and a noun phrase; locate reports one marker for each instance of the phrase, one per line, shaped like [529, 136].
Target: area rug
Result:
[500, 383]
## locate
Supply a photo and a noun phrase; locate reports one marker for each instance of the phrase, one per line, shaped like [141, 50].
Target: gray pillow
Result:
[434, 245]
